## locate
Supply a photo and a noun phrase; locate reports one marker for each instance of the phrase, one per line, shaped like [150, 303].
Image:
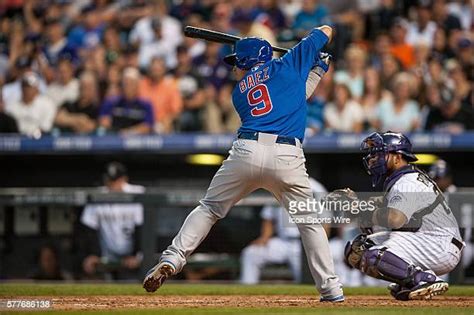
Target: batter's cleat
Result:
[426, 290]
[332, 299]
[157, 275]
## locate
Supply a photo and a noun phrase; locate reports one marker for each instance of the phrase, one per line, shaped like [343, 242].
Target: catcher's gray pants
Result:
[278, 168]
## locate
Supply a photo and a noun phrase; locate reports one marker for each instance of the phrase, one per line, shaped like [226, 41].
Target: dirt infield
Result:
[250, 301]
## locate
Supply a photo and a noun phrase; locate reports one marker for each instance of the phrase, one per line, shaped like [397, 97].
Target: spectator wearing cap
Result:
[450, 116]
[57, 45]
[400, 48]
[343, 114]
[34, 113]
[11, 92]
[399, 113]
[163, 92]
[158, 47]
[127, 113]
[116, 228]
[311, 15]
[422, 30]
[80, 116]
[65, 87]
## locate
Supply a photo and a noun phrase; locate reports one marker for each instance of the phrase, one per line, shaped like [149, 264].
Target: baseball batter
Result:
[419, 237]
[270, 99]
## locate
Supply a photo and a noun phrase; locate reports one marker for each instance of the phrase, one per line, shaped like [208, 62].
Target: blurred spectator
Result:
[451, 116]
[246, 25]
[400, 49]
[89, 32]
[158, 47]
[353, 76]
[390, 68]
[462, 9]
[128, 113]
[49, 266]
[113, 45]
[117, 228]
[35, 112]
[11, 92]
[422, 30]
[343, 114]
[57, 44]
[400, 113]
[373, 94]
[458, 81]
[81, 115]
[272, 16]
[439, 49]
[66, 87]
[220, 114]
[192, 88]
[311, 15]
[465, 55]
[164, 94]
[7, 122]
[381, 48]
[143, 33]
[443, 18]
[316, 104]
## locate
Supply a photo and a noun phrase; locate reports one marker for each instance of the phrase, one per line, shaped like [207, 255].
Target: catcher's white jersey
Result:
[411, 193]
[431, 246]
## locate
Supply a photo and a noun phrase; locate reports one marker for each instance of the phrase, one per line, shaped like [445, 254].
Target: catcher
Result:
[418, 237]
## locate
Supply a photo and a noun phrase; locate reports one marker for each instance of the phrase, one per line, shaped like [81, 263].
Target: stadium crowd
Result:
[95, 67]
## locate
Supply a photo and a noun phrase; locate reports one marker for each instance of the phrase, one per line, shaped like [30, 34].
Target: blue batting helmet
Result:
[378, 145]
[248, 52]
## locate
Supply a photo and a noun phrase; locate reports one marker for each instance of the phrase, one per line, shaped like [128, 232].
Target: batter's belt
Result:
[280, 139]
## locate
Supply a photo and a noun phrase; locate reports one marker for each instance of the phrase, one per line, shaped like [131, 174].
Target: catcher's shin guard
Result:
[382, 264]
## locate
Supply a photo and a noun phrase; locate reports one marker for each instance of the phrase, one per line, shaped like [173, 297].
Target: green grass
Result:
[36, 289]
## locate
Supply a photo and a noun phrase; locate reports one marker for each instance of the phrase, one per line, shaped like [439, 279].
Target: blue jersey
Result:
[271, 98]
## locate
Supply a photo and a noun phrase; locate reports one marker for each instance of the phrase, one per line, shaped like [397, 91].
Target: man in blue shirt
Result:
[270, 98]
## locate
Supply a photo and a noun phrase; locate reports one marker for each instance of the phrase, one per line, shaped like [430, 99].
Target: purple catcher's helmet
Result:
[248, 52]
[378, 145]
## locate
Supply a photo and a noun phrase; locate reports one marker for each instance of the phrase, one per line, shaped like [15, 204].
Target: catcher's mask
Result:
[377, 146]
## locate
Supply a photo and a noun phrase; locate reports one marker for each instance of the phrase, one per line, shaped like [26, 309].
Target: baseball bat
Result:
[218, 37]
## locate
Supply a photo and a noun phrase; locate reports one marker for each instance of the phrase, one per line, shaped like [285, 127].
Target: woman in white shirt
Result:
[343, 114]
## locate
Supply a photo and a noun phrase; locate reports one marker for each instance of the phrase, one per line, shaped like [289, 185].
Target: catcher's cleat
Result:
[427, 290]
[398, 292]
[157, 275]
[333, 299]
